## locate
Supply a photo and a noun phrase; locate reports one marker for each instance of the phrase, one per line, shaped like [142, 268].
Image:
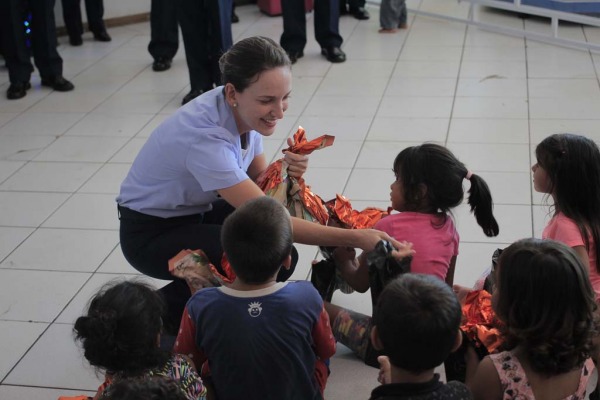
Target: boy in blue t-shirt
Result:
[260, 339]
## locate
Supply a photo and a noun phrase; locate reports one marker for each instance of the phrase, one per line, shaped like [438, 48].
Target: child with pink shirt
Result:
[428, 185]
[568, 170]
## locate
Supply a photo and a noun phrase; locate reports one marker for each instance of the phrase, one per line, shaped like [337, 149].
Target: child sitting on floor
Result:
[416, 327]
[261, 339]
[428, 185]
[120, 334]
[545, 301]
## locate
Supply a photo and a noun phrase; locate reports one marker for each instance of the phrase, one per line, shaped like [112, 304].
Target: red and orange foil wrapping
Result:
[341, 210]
[293, 192]
[480, 323]
[296, 195]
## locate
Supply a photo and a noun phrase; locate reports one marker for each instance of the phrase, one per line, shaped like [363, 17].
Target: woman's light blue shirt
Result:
[187, 158]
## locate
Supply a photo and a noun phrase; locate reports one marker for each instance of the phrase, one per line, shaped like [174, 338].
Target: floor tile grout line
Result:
[456, 83]
[405, 39]
[92, 274]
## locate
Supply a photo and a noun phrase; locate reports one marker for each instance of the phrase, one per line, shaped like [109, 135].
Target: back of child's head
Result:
[572, 163]
[432, 182]
[545, 300]
[417, 319]
[145, 388]
[257, 238]
[120, 331]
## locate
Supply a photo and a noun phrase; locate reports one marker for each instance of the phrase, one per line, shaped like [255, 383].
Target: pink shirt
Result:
[565, 230]
[434, 245]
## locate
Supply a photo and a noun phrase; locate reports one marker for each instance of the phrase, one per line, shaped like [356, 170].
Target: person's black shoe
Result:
[295, 55]
[58, 83]
[75, 40]
[360, 13]
[333, 54]
[17, 90]
[234, 17]
[102, 36]
[161, 64]
[191, 95]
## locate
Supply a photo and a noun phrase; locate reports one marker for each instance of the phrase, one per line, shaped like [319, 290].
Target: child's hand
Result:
[385, 370]
[461, 292]
[404, 250]
[343, 254]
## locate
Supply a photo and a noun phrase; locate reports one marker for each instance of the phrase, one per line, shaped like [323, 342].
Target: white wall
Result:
[112, 9]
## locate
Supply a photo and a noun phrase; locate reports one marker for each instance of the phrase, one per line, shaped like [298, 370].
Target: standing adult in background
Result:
[326, 17]
[72, 16]
[43, 46]
[354, 7]
[206, 29]
[164, 36]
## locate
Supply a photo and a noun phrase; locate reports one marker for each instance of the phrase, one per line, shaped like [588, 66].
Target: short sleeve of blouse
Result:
[216, 161]
[567, 232]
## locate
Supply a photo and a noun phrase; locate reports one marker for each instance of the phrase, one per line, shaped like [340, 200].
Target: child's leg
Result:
[388, 15]
[350, 328]
[402, 24]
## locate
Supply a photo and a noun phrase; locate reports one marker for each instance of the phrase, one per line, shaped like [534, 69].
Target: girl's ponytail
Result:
[480, 200]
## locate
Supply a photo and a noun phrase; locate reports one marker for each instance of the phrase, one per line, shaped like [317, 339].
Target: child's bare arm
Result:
[353, 270]
[450, 273]
[485, 384]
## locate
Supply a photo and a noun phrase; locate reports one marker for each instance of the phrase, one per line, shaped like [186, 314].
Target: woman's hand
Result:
[297, 163]
[368, 239]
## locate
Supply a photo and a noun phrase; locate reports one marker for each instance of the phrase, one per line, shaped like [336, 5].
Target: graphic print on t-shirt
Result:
[254, 309]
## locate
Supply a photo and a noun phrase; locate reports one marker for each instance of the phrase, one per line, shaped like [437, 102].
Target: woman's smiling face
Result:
[264, 102]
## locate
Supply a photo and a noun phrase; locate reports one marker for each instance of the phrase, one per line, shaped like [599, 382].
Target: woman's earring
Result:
[234, 105]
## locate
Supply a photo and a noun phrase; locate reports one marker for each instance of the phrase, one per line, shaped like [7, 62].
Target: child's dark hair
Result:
[417, 317]
[442, 175]
[546, 301]
[120, 331]
[247, 59]
[572, 163]
[257, 237]
[144, 388]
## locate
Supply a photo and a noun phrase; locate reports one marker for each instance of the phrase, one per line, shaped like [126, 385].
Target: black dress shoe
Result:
[234, 17]
[58, 83]
[360, 13]
[161, 64]
[192, 95]
[102, 36]
[17, 90]
[75, 40]
[333, 54]
[295, 55]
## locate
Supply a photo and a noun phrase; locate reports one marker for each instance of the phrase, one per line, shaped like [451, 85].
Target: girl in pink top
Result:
[568, 170]
[428, 184]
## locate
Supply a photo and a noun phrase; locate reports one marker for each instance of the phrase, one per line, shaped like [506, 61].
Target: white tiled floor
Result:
[488, 97]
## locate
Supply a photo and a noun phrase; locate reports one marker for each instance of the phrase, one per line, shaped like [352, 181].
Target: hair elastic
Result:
[469, 175]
